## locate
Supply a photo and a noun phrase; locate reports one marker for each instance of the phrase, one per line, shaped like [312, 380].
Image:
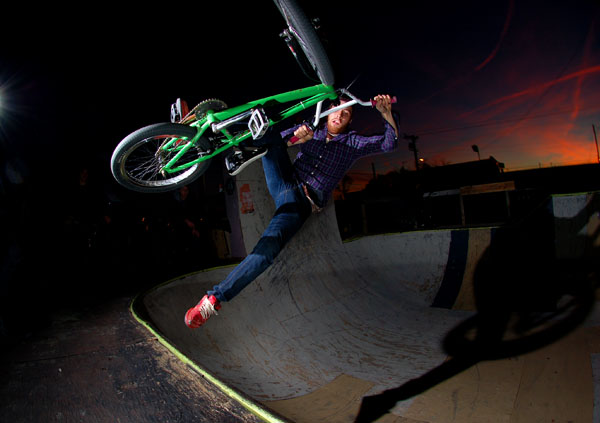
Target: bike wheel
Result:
[137, 162]
[303, 31]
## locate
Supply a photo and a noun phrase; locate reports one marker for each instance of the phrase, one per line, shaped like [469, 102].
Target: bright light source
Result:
[7, 98]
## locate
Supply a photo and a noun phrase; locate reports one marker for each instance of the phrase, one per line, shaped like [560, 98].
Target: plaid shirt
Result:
[321, 165]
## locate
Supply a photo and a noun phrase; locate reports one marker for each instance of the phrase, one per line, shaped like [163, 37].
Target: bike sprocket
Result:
[199, 111]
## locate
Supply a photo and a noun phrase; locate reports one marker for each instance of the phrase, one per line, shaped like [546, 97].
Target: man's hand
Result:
[304, 133]
[383, 103]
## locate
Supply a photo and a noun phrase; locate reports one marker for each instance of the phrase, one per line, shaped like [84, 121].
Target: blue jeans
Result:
[292, 208]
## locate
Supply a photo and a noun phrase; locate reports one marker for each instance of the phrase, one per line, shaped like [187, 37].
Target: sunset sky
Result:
[520, 79]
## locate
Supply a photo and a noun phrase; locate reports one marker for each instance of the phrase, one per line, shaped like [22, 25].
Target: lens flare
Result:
[12, 108]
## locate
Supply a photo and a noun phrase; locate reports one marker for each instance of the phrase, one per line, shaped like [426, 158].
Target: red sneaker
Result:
[198, 315]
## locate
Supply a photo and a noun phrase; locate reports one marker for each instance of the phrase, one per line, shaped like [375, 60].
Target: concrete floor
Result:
[96, 363]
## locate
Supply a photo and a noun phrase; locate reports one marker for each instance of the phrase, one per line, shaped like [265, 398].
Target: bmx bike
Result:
[164, 156]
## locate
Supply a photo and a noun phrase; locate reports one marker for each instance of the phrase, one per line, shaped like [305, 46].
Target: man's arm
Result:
[383, 103]
[388, 141]
[302, 132]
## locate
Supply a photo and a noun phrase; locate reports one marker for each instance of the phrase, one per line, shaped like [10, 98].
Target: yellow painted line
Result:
[248, 404]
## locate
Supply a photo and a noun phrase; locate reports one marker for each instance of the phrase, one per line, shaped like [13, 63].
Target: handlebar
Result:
[355, 100]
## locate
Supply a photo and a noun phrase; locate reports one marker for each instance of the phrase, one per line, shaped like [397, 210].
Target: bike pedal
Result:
[258, 123]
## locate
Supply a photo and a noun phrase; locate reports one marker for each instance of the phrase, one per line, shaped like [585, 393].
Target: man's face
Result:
[337, 122]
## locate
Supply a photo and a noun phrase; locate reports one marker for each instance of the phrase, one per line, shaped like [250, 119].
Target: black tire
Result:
[138, 159]
[302, 29]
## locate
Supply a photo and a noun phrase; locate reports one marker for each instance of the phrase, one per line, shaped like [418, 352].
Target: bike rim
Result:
[144, 164]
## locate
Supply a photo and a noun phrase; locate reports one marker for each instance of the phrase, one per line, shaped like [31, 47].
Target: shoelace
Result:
[206, 310]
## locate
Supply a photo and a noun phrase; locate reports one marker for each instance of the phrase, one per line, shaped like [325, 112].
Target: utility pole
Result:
[596, 139]
[412, 146]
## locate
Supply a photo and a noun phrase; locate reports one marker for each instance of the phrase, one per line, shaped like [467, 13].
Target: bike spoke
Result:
[147, 162]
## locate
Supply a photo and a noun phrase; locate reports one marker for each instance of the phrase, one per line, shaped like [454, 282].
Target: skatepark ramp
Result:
[471, 325]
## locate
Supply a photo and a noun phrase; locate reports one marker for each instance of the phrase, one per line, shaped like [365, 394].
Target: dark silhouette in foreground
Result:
[526, 299]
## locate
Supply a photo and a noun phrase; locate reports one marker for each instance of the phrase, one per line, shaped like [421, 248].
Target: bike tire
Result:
[137, 160]
[307, 38]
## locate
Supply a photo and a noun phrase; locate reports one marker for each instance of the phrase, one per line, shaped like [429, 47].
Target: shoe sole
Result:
[246, 163]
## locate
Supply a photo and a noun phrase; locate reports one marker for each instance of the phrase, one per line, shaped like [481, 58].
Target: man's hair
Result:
[342, 98]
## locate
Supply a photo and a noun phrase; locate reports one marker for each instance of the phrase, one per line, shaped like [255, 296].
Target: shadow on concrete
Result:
[527, 293]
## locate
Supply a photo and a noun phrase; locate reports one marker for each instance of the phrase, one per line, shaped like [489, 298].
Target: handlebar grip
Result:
[394, 100]
[295, 139]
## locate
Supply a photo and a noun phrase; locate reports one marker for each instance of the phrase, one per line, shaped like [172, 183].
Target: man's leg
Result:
[281, 229]
[292, 210]
[287, 220]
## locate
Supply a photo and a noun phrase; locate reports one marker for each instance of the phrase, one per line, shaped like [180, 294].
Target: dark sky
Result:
[518, 78]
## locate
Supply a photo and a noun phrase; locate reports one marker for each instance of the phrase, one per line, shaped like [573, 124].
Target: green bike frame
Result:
[308, 97]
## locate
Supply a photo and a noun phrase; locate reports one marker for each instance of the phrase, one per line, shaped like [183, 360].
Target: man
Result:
[298, 189]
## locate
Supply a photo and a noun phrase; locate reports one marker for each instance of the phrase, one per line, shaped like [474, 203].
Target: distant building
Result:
[458, 175]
